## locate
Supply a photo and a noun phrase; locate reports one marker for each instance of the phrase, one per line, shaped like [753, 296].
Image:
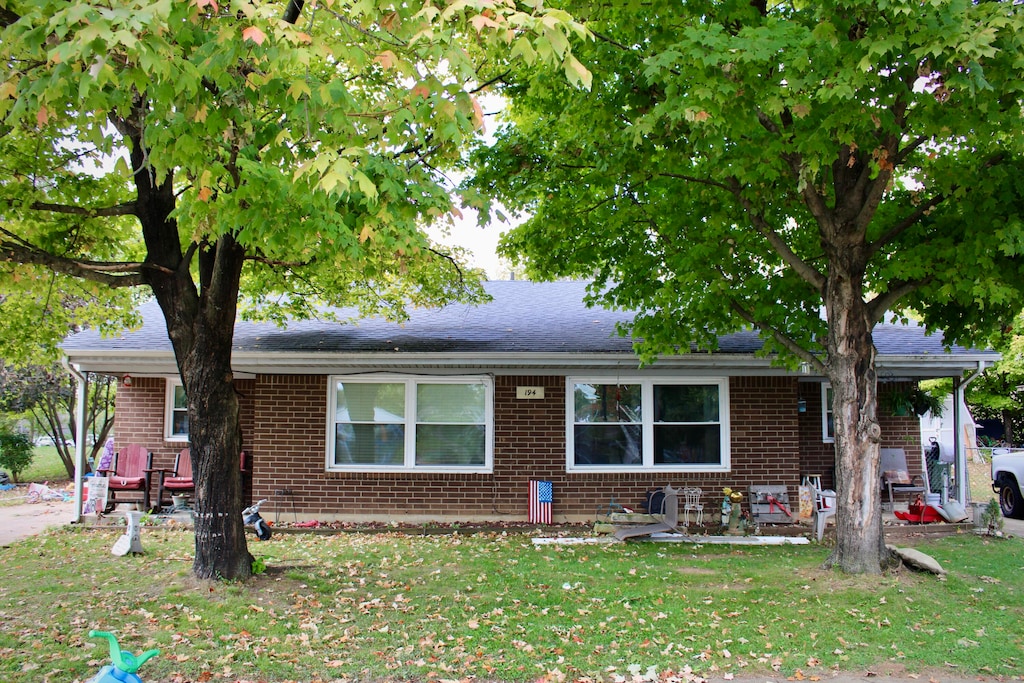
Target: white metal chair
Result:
[691, 501]
[896, 478]
[824, 507]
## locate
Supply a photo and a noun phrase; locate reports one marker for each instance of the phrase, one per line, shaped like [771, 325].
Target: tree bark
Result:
[201, 328]
[860, 546]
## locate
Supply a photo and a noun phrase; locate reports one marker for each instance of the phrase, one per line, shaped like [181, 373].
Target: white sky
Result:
[482, 242]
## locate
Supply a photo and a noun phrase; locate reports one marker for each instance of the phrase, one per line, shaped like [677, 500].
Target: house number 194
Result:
[530, 392]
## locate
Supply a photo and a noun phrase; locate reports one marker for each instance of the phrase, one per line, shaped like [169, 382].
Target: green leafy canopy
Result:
[320, 146]
[732, 155]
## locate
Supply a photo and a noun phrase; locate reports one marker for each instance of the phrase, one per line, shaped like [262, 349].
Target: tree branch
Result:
[293, 10]
[488, 83]
[895, 231]
[699, 181]
[13, 249]
[8, 17]
[902, 155]
[274, 263]
[128, 209]
[886, 300]
[799, 266]
[776, 334]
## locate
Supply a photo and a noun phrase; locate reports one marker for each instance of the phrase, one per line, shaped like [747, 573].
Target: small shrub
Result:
[992, 518]
[16, 453]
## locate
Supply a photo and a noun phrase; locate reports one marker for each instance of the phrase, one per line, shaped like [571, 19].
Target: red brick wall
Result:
[818, 457]
[139, 419]
[284, 431]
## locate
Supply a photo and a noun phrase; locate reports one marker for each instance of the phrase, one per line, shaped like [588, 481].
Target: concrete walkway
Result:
[27, 519]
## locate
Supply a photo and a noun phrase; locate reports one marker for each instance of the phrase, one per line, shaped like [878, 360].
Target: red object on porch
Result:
[919, 514]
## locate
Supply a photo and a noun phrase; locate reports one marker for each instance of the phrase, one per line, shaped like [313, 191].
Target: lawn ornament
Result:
[131, 541]
[735, 511]
[125, 664]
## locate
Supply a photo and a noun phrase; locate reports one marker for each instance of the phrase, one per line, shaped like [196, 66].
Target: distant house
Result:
[449, 416]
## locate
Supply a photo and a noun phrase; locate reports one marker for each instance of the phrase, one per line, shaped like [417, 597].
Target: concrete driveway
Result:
[27, 519]
[1014, 527]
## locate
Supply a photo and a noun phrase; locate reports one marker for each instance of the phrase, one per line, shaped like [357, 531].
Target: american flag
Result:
[540, 502]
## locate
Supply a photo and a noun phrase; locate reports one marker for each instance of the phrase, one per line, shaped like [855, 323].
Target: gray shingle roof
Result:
[523, 318]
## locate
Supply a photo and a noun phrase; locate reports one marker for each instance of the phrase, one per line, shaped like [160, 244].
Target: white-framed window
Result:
[395, 422]
[647, 424]
[828, 425]
[175, 412]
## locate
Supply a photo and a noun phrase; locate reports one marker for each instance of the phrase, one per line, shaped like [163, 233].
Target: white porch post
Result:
[959, 452]
[959, 392]
[82, 387]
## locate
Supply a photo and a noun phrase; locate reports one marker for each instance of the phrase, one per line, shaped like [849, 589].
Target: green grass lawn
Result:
[395, 607]
[46, 466]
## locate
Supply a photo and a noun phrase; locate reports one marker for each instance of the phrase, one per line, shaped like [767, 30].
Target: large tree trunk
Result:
[860, 546]
[200, 323]
[201, 328]
[216, 442]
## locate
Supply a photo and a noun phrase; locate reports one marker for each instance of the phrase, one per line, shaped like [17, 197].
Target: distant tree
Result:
[748, 164]
[49, 395]
[999, 393]
[284, 152]
[15, 453]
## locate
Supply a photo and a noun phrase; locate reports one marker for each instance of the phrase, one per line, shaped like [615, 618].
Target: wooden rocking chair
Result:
[129, 472]
[179, 480]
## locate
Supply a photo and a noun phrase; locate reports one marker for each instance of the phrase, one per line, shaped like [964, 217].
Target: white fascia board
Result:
[119, 361]
[934, 365]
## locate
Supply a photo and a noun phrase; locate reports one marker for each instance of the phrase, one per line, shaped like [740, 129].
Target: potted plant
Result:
[915, 401]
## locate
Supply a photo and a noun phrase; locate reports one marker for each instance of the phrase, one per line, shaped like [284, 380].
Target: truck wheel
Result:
[1010, 500]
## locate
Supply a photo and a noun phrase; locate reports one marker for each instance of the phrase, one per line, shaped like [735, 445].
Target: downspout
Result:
[82, 384]
[959, 448]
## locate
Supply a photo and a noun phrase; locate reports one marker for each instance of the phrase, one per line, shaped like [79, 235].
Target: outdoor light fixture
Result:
[801, 406]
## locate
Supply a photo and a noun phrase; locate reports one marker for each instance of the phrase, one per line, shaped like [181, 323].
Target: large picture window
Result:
[176, 416]
[384, 423]
[648, 424]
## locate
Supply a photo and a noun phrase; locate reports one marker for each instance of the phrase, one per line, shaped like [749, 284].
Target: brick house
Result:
[448, 416]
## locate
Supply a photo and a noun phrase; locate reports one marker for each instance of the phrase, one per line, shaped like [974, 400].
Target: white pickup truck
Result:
[1007, 478]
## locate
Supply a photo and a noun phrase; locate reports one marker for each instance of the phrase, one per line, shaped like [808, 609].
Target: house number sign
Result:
[530, 392]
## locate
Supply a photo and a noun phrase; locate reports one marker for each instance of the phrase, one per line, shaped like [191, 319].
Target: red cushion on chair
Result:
[179, 483]
[126, 483]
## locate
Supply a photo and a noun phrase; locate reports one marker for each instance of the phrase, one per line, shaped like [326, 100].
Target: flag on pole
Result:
[540, 502]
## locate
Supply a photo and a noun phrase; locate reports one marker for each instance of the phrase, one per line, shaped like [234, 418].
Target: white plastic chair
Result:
[824, 507]
[691, 501]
